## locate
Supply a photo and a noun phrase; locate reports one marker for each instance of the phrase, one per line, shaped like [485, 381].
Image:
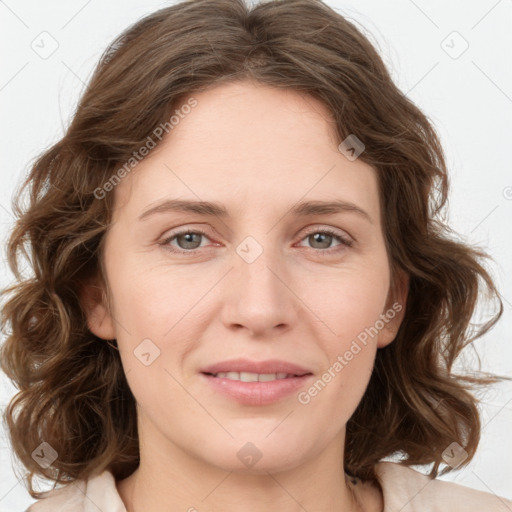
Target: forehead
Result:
[250, 144]
[246, 121]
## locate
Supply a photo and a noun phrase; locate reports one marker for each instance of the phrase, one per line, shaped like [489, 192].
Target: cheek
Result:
[350, 313]
[151, 302]
[338, 388]
[157, 313]
[347, 301]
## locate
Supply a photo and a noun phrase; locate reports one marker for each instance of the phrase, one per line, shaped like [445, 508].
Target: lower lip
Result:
[257, 393]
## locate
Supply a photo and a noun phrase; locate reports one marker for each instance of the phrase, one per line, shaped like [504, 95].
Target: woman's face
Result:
[267, 282]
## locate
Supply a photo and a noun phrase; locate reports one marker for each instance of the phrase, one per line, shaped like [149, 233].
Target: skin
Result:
[258, 151]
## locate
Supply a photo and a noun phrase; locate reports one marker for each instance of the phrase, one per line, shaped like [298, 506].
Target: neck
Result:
[173, 479]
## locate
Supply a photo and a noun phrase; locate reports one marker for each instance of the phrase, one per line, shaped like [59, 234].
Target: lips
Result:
[271, 366]
[255, 382]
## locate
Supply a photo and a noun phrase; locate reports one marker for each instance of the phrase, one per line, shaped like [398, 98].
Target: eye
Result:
[321, 239]
[187, 241]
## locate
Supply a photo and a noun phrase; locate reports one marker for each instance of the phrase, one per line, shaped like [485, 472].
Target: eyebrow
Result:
[207, 208]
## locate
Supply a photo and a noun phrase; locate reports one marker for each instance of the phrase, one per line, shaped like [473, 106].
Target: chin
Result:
[259, 454]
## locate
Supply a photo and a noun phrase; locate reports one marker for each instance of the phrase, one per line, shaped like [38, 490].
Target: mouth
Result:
[253, 377]
[247, 368]
[255, 383]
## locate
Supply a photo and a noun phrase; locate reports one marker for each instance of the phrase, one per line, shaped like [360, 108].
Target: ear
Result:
[394, 311]
[95, 306]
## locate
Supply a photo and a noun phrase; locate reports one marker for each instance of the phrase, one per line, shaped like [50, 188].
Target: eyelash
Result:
[344, 242]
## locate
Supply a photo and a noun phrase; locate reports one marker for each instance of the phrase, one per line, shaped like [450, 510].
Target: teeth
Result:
[253, 377]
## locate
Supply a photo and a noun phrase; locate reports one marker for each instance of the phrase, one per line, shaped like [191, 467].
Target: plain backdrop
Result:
[451, 58]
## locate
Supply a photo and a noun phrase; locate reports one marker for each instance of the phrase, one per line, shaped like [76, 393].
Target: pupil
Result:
[319, 236]
[189, 243]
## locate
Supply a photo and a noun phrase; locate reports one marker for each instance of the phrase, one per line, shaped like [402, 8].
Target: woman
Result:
[243, 296]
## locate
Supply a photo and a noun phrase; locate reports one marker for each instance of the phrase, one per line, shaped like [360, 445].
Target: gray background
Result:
[50, 49]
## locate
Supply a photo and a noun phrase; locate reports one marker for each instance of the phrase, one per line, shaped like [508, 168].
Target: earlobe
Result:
[386, 336]
[99, 318]
[394, 312]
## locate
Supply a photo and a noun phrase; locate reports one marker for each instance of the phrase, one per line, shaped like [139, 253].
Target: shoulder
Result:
[68, 497]
[77, 496]
[407, 490]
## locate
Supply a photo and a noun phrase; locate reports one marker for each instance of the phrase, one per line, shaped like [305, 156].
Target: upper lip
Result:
[246, 365]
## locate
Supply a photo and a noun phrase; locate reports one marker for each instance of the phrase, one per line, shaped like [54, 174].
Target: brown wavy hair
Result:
[73, 393]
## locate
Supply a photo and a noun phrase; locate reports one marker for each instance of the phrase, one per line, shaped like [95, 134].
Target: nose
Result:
[259, 298]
